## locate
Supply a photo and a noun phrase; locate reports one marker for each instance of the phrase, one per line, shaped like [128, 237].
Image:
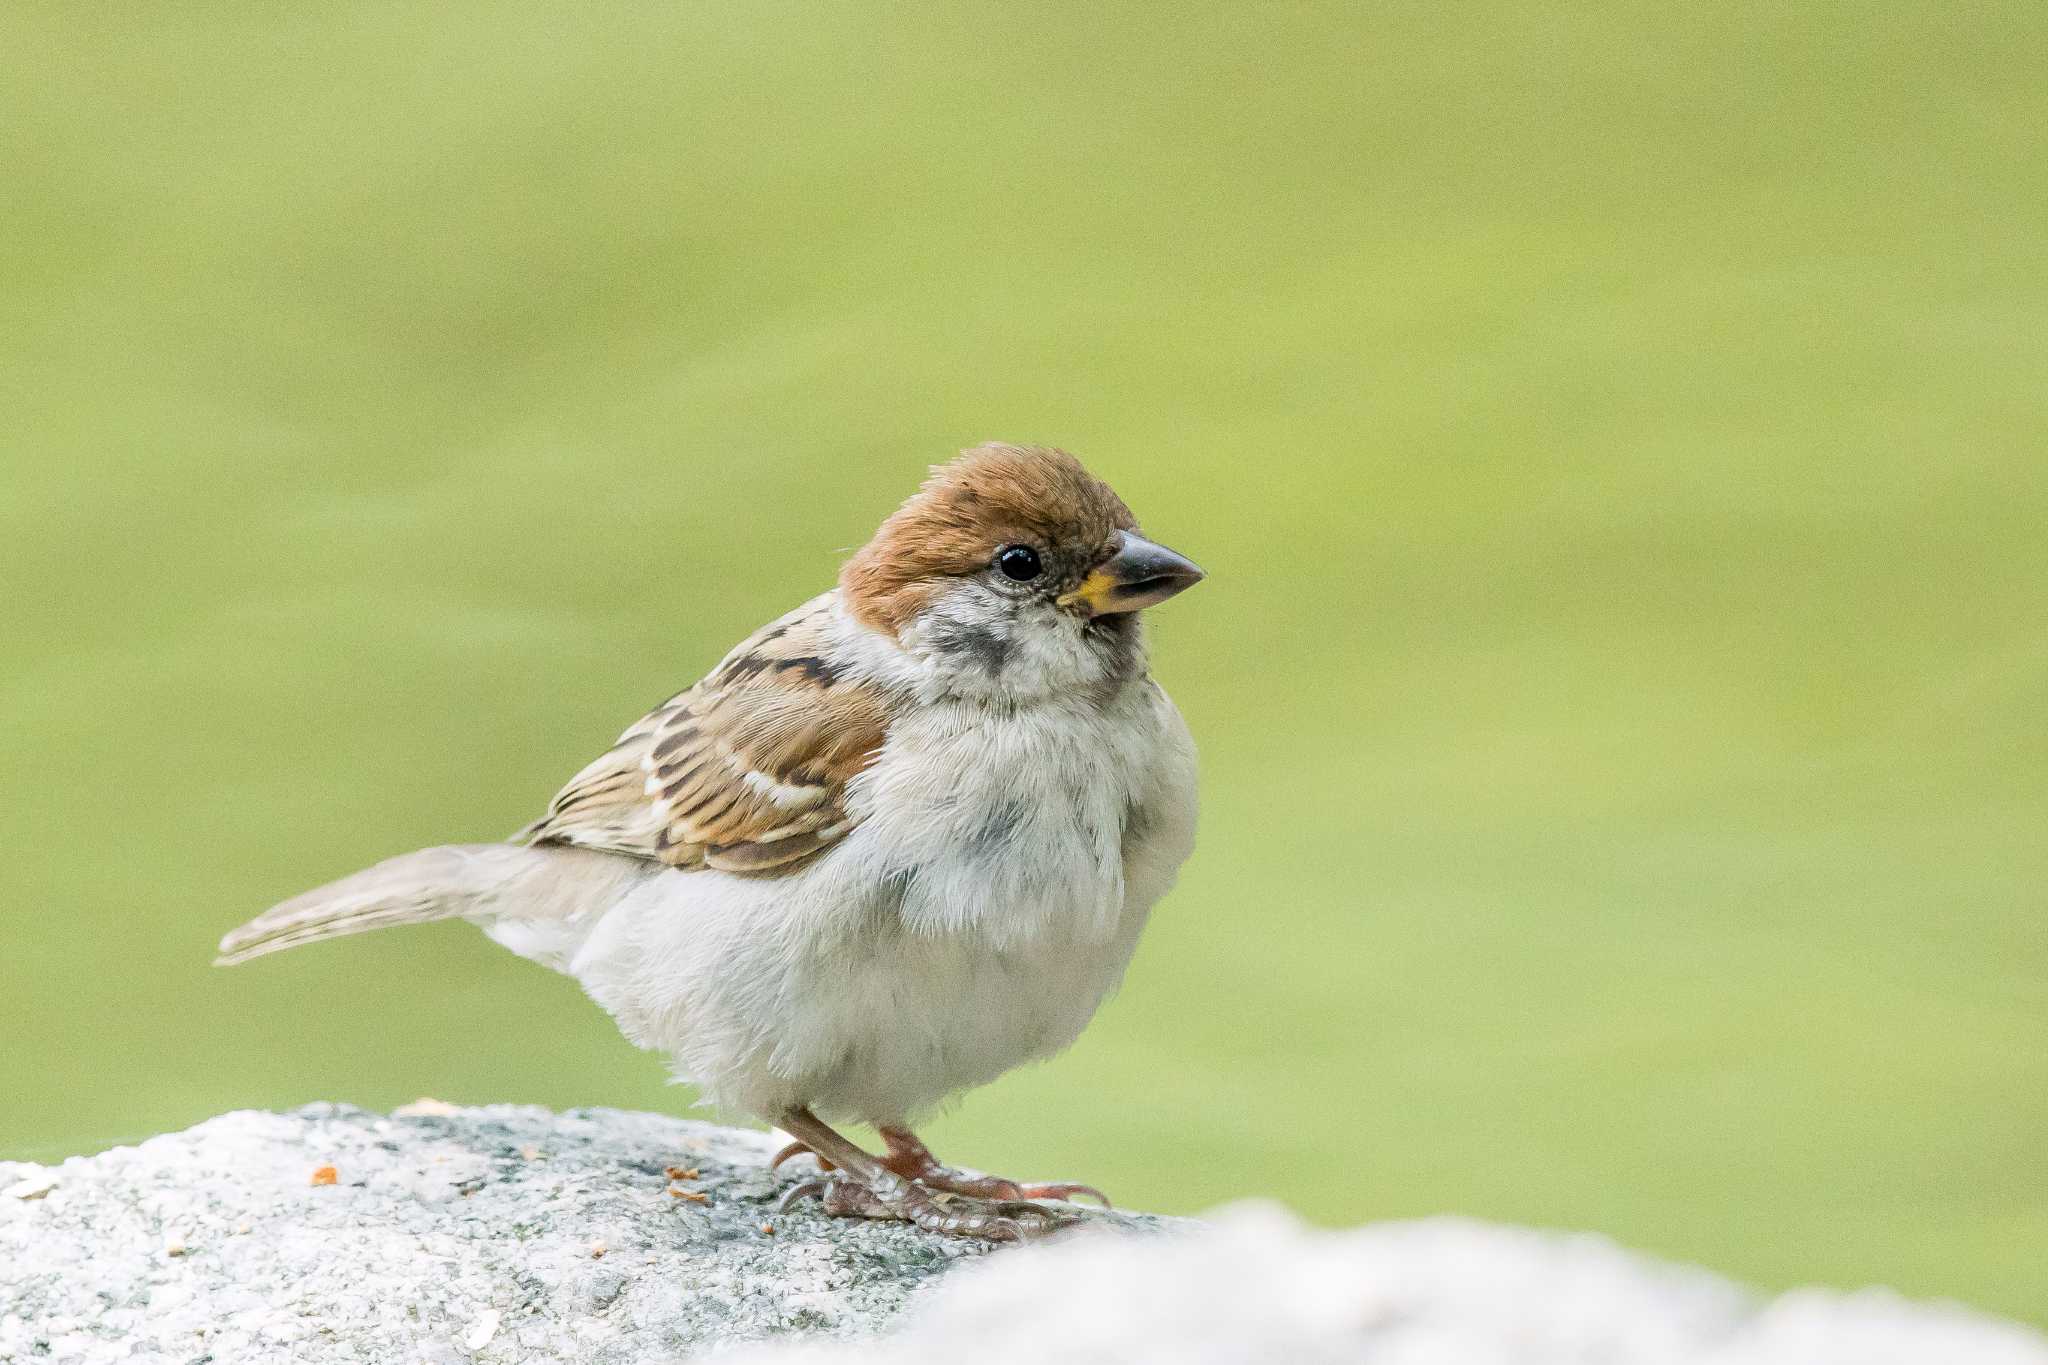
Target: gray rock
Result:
[503, 1233]
[513, 1234]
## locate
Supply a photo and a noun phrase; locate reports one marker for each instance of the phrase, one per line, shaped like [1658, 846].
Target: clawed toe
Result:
[911, 1186]
[796, 1194]
[799, 1149]
[1066, 1190]
[996, 1220]
[912, 1160]
[950, 1181]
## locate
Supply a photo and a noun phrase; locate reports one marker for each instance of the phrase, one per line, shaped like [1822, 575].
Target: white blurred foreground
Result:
[1258, 1285]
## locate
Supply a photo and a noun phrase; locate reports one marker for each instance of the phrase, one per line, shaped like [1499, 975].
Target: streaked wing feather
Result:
[745, 772]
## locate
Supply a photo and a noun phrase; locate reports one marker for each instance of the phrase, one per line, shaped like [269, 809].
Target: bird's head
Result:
[1016, 570]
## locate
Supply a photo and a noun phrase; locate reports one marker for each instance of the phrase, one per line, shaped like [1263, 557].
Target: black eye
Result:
[1019, 562]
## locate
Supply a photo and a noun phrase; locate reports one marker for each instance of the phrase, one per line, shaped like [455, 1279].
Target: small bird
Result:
[896, 843]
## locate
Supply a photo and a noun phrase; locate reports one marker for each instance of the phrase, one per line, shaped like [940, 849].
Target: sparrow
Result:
[898, 842]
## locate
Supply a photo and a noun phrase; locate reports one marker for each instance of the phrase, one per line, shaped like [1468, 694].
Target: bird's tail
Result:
[453, 881]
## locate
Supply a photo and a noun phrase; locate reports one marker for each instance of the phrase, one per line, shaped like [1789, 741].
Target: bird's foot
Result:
[934, 1176]
[912, 1160]
[842, 1195]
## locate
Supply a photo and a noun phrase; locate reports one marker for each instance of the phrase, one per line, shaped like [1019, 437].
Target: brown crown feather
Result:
[991, 496]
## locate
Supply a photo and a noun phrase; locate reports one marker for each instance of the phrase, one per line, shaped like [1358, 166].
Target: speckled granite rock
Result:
[495, 1234]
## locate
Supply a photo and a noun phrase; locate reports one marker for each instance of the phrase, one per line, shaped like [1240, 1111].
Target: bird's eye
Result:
[1019, 563]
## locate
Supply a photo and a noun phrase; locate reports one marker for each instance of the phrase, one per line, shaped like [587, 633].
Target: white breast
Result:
[987, 902]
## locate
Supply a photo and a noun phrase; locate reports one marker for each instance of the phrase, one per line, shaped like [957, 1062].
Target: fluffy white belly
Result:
[988, 901]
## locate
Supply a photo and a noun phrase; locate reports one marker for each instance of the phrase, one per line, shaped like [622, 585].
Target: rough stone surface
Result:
[494, 1234]
[513, 1234]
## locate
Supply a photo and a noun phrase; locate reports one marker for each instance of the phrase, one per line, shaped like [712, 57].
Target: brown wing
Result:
[745, 772]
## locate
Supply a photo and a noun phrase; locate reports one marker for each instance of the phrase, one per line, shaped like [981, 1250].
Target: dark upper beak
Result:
[1137, 574]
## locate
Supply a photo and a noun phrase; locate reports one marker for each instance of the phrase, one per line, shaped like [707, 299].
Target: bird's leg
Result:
[911, 1159]
[860, 1186]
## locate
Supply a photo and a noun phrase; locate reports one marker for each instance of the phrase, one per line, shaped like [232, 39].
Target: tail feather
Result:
[452, 881]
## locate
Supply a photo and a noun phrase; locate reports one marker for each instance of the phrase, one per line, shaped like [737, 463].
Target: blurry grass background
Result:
[1615, 436]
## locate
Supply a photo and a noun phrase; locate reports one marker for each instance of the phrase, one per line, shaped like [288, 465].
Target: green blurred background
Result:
[1615, 437]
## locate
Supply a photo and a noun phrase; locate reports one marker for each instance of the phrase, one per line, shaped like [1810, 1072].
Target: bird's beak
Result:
[1137, 574]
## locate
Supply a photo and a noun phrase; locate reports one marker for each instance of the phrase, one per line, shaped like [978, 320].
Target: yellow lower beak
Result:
[1138, 573]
